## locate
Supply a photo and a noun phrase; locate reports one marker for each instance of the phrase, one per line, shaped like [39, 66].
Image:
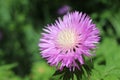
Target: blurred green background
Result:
[21, 22]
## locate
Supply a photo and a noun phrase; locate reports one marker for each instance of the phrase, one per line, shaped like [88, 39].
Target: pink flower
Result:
[63, 10]
[68, 40]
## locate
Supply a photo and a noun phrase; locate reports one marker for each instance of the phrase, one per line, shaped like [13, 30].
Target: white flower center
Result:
[67, 38]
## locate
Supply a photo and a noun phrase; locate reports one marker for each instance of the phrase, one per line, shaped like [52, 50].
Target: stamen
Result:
[67, 38]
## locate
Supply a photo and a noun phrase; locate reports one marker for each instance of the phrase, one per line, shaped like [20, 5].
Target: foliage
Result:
[21, 22]
[40, 70]
[7, 74]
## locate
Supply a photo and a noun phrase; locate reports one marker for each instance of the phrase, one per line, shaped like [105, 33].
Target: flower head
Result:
[68, 40]
[63, 10]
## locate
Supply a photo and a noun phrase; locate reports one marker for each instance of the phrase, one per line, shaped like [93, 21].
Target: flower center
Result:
[67, 38]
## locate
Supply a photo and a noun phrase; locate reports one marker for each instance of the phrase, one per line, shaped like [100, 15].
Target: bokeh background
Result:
[21, 22]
